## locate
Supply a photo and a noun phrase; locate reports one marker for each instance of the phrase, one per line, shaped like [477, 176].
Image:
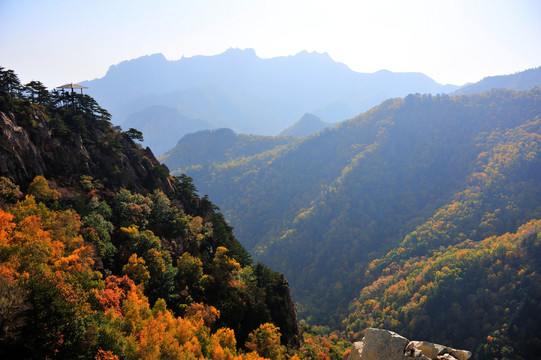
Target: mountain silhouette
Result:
[248, 94]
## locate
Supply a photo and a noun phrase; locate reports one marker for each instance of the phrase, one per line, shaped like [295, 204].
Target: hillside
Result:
[307, 125]
[103, 255]
[240, 91]
[207, 147]
[523, 80]
[322, 209]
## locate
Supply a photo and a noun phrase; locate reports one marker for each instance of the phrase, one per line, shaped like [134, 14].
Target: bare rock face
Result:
[379, 344]
[30, 150]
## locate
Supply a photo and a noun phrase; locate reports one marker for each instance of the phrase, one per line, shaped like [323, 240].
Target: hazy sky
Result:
[452, 41]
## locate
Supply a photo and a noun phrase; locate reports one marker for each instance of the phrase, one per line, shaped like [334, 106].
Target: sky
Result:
[452, 41]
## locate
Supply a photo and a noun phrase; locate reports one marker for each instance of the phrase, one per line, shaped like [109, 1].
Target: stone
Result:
[428, 349]
[356, 351]
[446, 357]
[379, 344]
[460, 354]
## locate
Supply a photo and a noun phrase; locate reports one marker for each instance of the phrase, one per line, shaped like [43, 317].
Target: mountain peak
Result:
[248, 52]
[323, 56]
[147, 60]
[307, 125]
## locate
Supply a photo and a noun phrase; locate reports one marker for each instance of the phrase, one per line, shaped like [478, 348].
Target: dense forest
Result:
[121, 267]
[480, 295]
[346, 208]
[204, 148]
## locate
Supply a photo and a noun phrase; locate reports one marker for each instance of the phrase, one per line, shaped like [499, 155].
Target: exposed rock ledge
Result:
[379, 344]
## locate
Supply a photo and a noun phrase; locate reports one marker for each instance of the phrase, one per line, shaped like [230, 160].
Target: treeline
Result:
[68, 112]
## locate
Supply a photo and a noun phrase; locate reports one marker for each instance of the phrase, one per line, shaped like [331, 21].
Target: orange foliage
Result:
[202, 313]
[6, 226]
[115, 291]
[105, 355]
[39, 244]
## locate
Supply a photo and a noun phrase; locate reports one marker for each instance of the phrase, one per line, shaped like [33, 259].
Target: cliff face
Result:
[285, 311]
[27, 151]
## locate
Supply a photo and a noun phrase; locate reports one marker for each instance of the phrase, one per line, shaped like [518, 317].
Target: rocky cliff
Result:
[379, 344]
[110, 155]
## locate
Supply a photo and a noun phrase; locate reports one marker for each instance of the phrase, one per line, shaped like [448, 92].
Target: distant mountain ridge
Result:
[523, 80]
[239, 90]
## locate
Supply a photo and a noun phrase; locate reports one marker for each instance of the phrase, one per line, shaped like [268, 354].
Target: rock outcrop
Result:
[30, 150]
[379, 344]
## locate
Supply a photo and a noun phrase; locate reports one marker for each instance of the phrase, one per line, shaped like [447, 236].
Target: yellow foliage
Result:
[202, 314]
[265, 340]
[41, 190]
[223, 345]
[137, 270]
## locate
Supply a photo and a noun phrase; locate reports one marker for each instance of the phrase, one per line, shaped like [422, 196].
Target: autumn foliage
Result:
[57, 299]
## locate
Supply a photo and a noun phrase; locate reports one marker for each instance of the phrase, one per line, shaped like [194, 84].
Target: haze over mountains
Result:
[421, 215]
[239, 90]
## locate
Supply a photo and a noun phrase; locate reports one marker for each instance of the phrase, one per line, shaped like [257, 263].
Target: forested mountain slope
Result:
[466, 267]
[204, 148]
[321, 209]
[103, 255]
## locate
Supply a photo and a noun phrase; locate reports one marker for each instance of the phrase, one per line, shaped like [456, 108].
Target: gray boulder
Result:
[379, 344]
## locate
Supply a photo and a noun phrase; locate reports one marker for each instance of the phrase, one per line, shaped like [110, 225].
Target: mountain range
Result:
[420, 215]
[239, 90]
